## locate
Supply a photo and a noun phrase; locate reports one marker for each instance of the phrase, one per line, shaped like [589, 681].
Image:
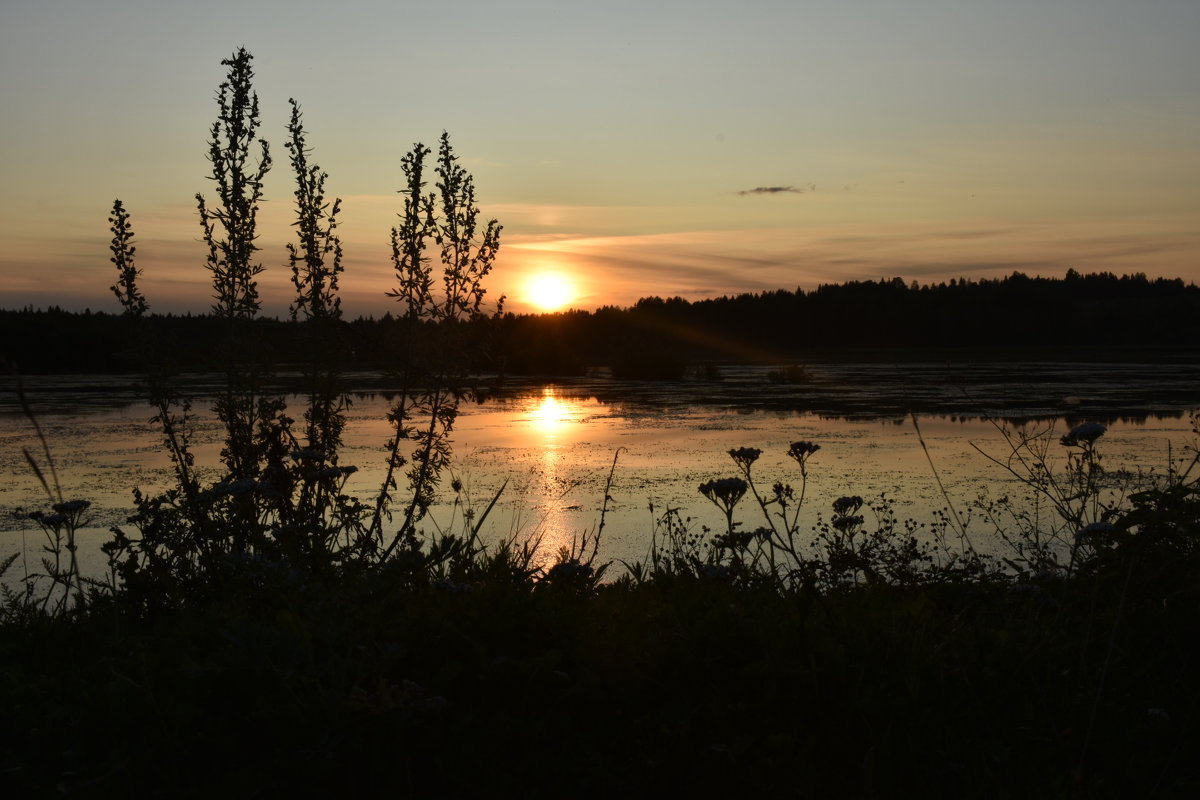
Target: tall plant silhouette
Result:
[437, 326]
[316, 513]
[173, 411]
[316, 263]
[230, 233]
[282, 493]
[129, 295]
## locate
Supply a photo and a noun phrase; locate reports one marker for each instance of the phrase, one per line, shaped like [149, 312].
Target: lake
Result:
[552, 444]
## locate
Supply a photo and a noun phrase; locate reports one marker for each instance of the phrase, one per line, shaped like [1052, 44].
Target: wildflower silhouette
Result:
[60, 528]
[845, 516]
[725, 494]
[845, 506]
[801, 451]
[745, 456]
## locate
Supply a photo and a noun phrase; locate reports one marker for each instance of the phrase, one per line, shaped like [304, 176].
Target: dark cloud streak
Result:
[778, 190]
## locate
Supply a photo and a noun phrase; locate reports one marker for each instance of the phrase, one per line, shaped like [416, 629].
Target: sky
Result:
[656, 147]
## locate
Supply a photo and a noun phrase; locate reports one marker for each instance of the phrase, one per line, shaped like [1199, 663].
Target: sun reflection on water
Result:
[553, 416]
[559, 421]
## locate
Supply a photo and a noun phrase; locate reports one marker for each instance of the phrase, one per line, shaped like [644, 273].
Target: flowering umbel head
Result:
[724, 492]
[845, 506]
[800, 451]
[67, 513]
[845, 516]
[745, 456]
[847, 523]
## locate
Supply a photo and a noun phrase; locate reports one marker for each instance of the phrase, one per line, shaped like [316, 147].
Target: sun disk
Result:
[548, 291]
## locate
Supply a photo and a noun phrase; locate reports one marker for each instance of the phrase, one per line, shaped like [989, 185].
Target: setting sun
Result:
[549, 291]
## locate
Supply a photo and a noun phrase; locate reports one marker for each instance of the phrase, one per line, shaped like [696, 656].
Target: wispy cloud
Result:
[779, 190]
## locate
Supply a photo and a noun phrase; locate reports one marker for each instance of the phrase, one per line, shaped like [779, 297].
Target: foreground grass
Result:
[270, 682]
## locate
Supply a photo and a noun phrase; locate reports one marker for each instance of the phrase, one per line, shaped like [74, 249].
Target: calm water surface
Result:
[552, 445]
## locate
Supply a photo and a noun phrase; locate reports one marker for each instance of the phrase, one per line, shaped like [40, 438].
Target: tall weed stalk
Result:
[439, 330]
[240, 161]
[282, 494]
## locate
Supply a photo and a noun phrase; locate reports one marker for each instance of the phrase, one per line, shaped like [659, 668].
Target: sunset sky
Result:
[626, 146]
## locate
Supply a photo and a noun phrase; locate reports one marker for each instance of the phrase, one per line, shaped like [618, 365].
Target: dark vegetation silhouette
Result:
[1098, 315]
[262, 633]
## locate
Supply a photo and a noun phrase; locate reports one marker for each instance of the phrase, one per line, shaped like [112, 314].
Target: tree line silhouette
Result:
[1099, 313]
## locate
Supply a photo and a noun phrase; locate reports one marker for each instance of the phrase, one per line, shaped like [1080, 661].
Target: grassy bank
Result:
[483, 675]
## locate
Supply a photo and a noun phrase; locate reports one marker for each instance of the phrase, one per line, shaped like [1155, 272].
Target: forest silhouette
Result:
[1098, 316]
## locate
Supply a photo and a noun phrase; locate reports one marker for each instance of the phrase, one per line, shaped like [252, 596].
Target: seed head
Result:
[800, 451]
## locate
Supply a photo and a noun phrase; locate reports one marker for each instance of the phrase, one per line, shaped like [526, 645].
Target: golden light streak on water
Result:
[557, 422]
